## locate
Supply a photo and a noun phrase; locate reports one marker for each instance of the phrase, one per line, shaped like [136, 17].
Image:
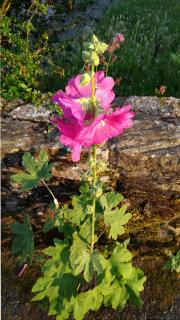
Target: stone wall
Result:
[144, 162]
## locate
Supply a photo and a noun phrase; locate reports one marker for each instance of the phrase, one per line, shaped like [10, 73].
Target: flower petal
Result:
[106, 126]
[76, 151]
[84, 91]
[107, 83]
[70, 107]
[71, 89]
[105, 98]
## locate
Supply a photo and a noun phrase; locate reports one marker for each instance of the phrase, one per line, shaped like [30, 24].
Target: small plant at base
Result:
[79, 274]
[174, 261]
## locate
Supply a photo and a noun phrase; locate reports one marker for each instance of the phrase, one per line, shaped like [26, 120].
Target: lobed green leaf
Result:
[36, 170]
[111, 200]
[23, 244]
[116, 219]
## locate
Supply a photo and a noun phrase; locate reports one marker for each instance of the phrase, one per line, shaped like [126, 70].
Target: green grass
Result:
[146, 60]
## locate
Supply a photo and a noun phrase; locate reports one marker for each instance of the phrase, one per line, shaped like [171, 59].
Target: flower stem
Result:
[94, 200]
[94, 164]
[93, 88]
[54, 198]
[107, 67]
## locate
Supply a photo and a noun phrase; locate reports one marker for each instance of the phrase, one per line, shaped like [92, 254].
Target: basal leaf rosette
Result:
[86, 122]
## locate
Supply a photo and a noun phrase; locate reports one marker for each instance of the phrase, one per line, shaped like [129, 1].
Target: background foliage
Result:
[149, 57]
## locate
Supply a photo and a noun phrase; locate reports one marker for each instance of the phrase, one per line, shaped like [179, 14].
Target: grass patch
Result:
[149, 56]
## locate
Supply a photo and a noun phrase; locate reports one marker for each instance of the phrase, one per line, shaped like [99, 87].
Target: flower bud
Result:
[85, 79]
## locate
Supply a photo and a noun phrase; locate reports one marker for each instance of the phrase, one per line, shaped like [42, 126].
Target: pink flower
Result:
[118, 38]
[76, 101]
[162, 89]
[106, 126]
[69, 136]
[82, 126]
[71, 108]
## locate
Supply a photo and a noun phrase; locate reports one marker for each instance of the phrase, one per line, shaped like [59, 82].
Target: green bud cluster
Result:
[92, 51]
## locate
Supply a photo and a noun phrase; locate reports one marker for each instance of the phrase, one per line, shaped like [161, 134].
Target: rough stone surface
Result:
[148, 151]
[144, 162]
[147, 156]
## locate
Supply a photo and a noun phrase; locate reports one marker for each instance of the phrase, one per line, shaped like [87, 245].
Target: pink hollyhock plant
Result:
[104, 127]
[76, 101]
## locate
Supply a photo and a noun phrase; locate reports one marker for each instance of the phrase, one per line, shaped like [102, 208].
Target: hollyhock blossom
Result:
[106, 126]
[76, 101]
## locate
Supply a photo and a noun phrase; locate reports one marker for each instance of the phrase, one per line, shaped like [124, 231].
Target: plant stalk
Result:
[94, 167]
[94, 200]
[93, 89]
[54, 198]
[107, 67]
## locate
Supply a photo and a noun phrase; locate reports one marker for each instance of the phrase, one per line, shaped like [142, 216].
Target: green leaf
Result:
[116, 295]
[29, 163]
[41, 284]
[88, 263]
[27, 181]
[75, 215]
[58, 282]
[48, 225]
[77, 247]
[23, 244]
[83, 263]
[132, 278]
[36, 170]
[98, 261]
[116, 219]
[111, 200]
[86, 230]
[66, 309]
[55, 251]
[85, 301]
[80, 205]
[174, 262]
[39, 296]
[52, 223]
